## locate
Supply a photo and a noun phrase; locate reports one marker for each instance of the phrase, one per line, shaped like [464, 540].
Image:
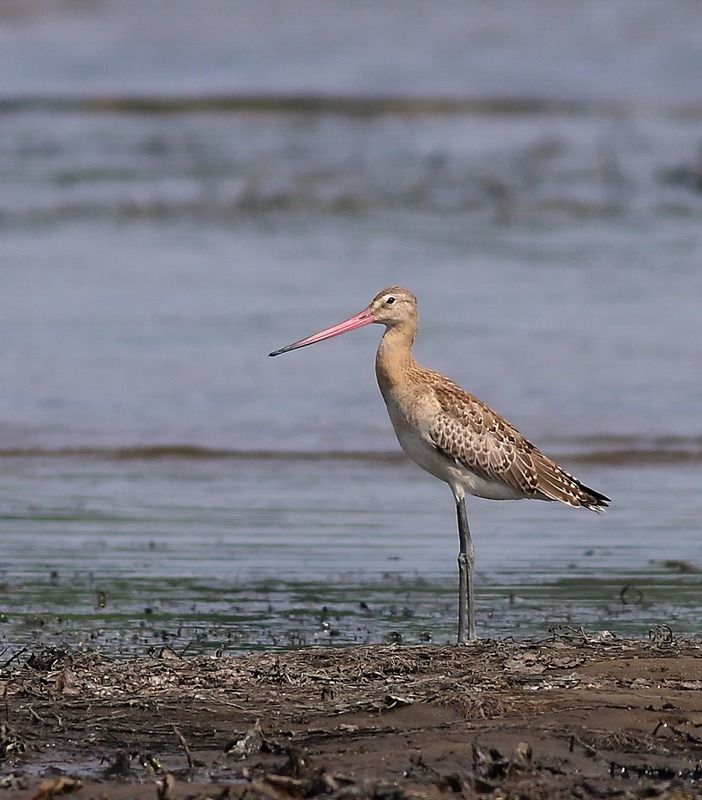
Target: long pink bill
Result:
[356, 321]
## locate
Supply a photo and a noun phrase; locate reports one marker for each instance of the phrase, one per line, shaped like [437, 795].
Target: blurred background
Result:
[186, 185]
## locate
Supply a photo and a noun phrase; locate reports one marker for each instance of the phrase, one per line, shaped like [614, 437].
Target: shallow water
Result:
[163, 481]
[135, 553]
[640, 51]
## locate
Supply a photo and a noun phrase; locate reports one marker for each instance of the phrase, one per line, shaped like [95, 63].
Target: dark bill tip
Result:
[286, 349]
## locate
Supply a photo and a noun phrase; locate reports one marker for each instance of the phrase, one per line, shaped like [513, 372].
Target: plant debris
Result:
[574, 714]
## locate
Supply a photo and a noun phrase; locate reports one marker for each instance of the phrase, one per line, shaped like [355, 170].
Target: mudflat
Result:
[570, 716]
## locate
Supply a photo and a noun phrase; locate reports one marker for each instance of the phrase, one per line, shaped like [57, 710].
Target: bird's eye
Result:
[389, 301]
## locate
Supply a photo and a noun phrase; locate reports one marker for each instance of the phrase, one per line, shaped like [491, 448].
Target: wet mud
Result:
[570, 716]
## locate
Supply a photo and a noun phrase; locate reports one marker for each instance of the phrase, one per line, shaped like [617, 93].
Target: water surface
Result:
[170, 213]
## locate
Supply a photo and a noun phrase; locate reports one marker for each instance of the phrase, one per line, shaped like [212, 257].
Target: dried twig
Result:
[186, 749]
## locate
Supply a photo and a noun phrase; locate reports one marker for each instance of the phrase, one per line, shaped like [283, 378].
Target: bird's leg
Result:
[466, 560]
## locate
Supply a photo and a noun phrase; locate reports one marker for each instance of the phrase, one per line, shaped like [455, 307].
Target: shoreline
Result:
[569, 715]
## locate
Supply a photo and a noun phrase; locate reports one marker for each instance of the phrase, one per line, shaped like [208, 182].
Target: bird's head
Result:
[393, 306]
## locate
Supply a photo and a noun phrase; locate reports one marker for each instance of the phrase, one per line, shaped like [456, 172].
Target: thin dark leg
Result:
[466, 560]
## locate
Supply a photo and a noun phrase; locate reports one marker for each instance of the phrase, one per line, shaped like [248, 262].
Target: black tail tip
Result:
[596, 501]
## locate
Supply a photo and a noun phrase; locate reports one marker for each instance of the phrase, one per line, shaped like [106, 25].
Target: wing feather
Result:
[471, 434]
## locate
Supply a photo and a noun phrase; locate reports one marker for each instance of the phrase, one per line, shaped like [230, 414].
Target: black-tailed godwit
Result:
[453, 435]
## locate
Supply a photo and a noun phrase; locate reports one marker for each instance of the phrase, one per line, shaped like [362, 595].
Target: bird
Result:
[453, 435]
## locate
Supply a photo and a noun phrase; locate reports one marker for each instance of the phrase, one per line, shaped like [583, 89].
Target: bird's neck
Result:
[394, 358]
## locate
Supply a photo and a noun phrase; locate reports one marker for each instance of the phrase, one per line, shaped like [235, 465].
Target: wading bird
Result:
[453, 435]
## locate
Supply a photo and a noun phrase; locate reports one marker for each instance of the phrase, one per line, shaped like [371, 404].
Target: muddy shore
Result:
[570, 716]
